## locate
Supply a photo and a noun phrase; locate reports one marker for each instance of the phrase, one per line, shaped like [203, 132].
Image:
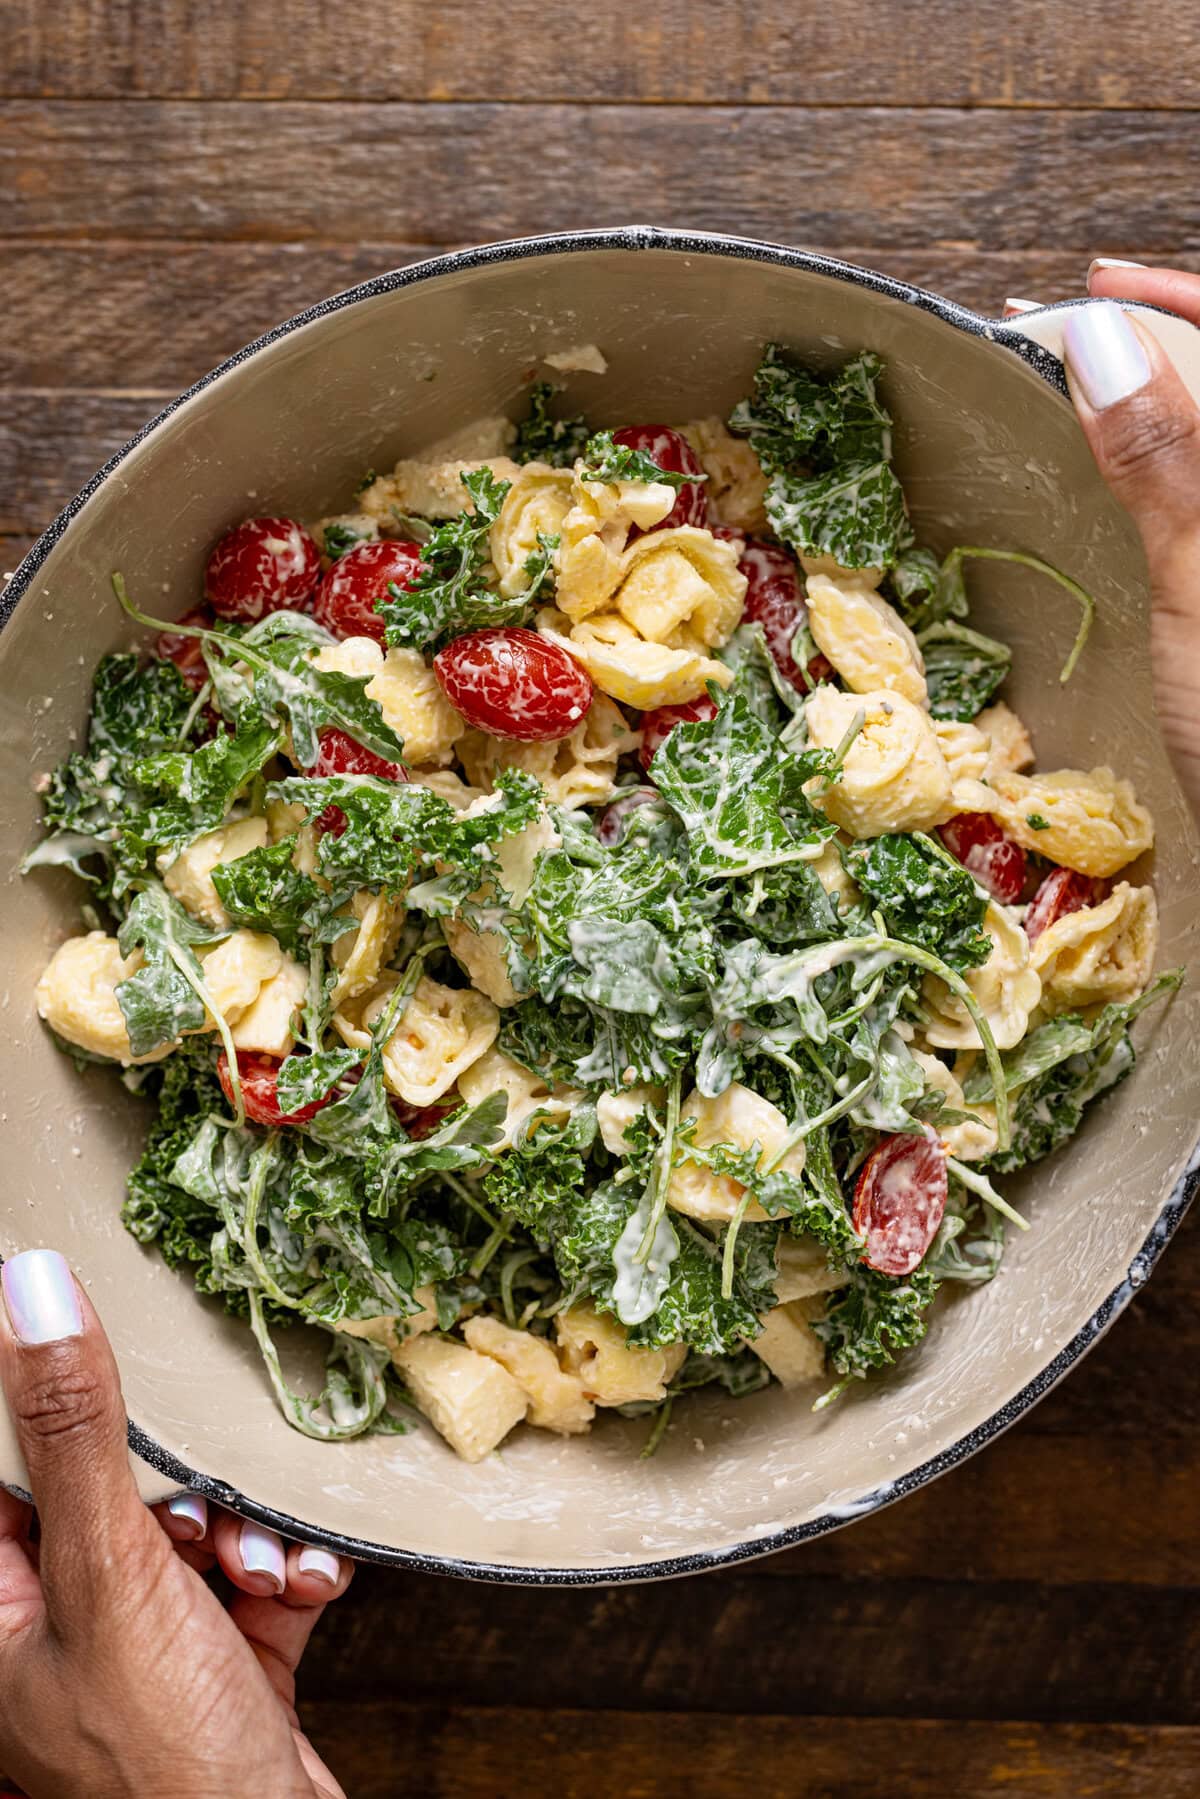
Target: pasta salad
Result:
[589, 924]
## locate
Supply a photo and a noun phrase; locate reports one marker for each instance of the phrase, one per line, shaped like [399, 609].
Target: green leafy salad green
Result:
[548, 1069]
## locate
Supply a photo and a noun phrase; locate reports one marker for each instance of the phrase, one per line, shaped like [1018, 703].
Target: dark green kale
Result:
[165, 998]
[963, 669]
[870, 1320]
[264, 891]
[340, 538]
[606, 460]
[925, 896]
[543, 439]
[191, 792]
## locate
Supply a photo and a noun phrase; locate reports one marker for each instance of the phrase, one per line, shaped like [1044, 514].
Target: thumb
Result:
[1144, 430]
[60, 1379]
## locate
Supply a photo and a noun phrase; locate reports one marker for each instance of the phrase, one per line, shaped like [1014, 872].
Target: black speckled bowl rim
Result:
[637, 238]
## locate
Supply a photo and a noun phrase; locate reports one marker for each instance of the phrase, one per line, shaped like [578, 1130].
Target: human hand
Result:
[120, 1671]
[1144, 431]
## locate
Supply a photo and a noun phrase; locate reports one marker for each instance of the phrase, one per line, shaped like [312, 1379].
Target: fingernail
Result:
[1111, 262]
[320, 1563]
[190, 1508]
[40, 1296]
[261, 1552]
[1104, 353]
[1011, 306]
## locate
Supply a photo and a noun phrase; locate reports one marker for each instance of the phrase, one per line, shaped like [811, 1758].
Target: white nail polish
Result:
[1011, 306]
[191, 1509]
[1104, 354]
[1111, 262]
[39, 1293]
[320, 1563]
[261, 1552]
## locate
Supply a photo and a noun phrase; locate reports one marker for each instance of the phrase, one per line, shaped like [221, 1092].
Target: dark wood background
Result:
[177, 175]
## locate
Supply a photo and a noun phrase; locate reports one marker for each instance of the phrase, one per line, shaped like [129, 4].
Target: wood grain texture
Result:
[438, 173]
[454, 1751]
[1003, 53]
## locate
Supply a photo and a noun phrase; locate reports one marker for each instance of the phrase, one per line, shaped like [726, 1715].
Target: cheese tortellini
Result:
[406, 691]
[864, 638]
[429, 487]
[470, 1399]
[268, 1025]
[1099, 954]
[576, 770]
[681, 587]
[625, 666]
[789, 1345]
[188, 878]
[528, 1095]
[76, 995]
[1006, 988]
[537, 502]
[736, 486]
[360, 954]
[894, 776]
[611, 1370]
[974, 1137]
[593, 535]
[740, 1118]
[1091, 822]
[439, 1032]
[1010, 747]
[556, 1398]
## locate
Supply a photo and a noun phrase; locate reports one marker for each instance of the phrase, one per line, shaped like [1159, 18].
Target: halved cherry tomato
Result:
[259, 1077]
[988, 853]
[1061, 892]
[185, 652]
[264, 565]
[775, 600]
[339, 754]
[610, 826]
[346, 599]
[658, 724]
[512, 683]
[899, 1199]
[670, 450]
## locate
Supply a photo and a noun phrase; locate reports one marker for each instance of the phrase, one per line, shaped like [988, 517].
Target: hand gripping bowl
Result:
[989, 450]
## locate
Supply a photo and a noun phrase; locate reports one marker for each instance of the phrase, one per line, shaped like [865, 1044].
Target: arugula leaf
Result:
[925, 897]
[166, 996]
[451, 594]
[265, 892]
[969, 1244]
[543, 439]
[605, 460]
[740, 796]
[920, 592]
[826, 443]
[963, 669]
[873, 1317]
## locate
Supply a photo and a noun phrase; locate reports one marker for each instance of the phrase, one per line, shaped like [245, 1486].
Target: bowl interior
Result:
[989, 453]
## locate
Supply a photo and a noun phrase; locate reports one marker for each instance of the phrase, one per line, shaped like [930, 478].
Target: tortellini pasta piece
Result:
[1007, 989]
[76, 995]
[406, 690]
[681, 579]
[482, 955]
[1009, 743]
[428, 488]
[235, 970]
[556, 1399]
[188, 878]
[359, 955]
[593, 536]
[629, 669]
[447, 785]
[537, 501]
[1098, 954]
[802, 1269]
[736, 486]
[864, 638]
[482, 951]
[391, 1330]
[267, 1025]
[829, 565]
[976, 1136]
[789, 1345]
[894, 776]
[576, 770]
[439, 1033]
[287, 819]
[468, 1398]
[740, 1118]
[615, 1112]
[528, 1095]
[830, 871]
[1093, 822]
[964, 748]
[611, 1370]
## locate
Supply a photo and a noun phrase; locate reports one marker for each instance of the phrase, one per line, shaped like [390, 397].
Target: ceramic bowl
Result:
[989, 450]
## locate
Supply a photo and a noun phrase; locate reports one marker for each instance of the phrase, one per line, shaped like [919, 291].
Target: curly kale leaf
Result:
[264, 891]
[826, 444]
[693, 1309]
[606, 460]
[193, 791]
[338, 538]
[925, 897]
[166, 996]
[870, 1320]
[963, 669]
[543, 439]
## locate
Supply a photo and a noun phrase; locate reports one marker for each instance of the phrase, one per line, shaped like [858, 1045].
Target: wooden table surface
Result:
[178, 177]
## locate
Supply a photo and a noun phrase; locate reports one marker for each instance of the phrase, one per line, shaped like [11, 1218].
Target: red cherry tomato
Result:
[899, 1200]
[346, 598]
[610, 826]
[259, 1076]
[986, 852]
[185, 652]
[264, 565]
[1061, 892]
[339, 754]
[420, 1121]
[670, 450]
[658, 724]
[512, 683]
[775, 601]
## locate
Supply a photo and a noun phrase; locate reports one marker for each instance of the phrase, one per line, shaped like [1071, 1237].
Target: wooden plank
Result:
[747, 1642]
[454, 1751]
[449, 173]
[998, 53]
[157, 315]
